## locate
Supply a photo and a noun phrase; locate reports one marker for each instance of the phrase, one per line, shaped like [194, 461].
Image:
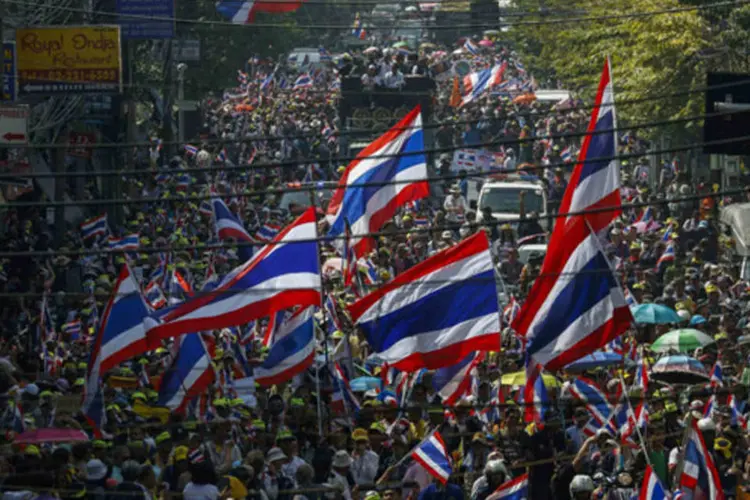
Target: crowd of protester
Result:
[279, 443]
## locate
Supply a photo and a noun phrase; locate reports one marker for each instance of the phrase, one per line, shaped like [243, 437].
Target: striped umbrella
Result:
[681, 340]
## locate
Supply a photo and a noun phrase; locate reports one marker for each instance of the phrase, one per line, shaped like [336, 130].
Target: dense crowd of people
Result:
[275, 133]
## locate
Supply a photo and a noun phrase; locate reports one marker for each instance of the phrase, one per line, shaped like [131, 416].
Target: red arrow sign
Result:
[14, 137]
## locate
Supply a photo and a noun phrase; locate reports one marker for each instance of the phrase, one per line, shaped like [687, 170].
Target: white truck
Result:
[502, 196]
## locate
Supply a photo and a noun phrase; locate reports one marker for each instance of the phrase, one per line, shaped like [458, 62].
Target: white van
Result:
[502, 197]
[298, 56]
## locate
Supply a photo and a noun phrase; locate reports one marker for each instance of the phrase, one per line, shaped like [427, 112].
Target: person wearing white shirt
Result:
[364, 461]
[394, 79]
[455, 206]
[340, 466]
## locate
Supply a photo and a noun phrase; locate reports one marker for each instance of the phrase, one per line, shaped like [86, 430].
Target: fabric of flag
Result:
[222, 156]
[267, 232]
[666, 257]
[566, 154]
[183, 182]
[647, 215]
[179, 288]
[470, 47]
[303, 81]
[229, 227]
[587, 392]
[717, 375]
[535, 397]
[515, 489]
[191, 150]
[651, 487]
[737, 419]
[667, 236]
[121, 336]
[576, 305]
[520, 67]
[72, 329]
[432, 454]
[96, 226]
[274, 323]
[190, 374]
[629, 299]
[699, 469]
[324, 54]
[292, 351]
[453, 382]
[343, 399]
[476, 83]
[283, 274]
[129, 243]
[641, 374]
[399, 318]
[388, 173]
[155, 295]
[243, 12]
[511, 310]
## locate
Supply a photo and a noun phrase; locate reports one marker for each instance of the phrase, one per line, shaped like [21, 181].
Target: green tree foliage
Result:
[651, 55]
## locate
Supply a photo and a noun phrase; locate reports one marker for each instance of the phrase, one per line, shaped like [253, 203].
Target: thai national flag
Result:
[667, 236]
[243, 11]
[470, 47]
[228, 226]
[155, 295]
[121, 336]
[651, 487]
[699, 468]
[343, 399]
[222, 156]
[389, 172]
[576, 305]
[566, 155]
[283, 274]
[453, 382]
[629, 299]
[190, 374]
[274, 323]
[292, 351]
[303, 81]
[519, 67]
[511, 310]
[737, 418]
[325, 56]
[515, 489]
[647, 215]
[587, 392]
[267, 232]
[191, 150]
[399, 318]
[667, 256]
[476, 83]
[717, 375]
[183, 182]
[641, 374]
[535, 395]
[72, 329]
[432, 454]
[94, 227]
[130, 242]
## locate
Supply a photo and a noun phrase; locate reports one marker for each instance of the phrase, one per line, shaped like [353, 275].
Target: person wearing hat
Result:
[455, 205]
[340, 476]
[364, 467]
[287, 441]
[274, 479]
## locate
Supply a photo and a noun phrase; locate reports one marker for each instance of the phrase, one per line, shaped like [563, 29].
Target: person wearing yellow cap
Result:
[287, 441]
[365, 462]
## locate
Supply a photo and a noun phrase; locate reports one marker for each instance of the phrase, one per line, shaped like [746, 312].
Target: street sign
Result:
[139, 19]
[727, 114]
[9, 71]
[68, 59]
[186, 50]
[14, 125]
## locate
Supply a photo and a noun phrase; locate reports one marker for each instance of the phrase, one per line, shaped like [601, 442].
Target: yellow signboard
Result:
[68, 59]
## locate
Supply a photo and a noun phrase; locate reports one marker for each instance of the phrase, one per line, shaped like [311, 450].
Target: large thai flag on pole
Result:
[432, 454]
[284, 274]
[291, 353]
[121, 336]
[576, 305]
[698, 469]
[387, 174]
[454, 381]
[587, 392]
[343, 399]
[189, 376]
[436, 313]
[476, 83]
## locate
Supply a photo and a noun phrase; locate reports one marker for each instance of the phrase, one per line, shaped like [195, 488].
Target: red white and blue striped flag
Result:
[577, 305]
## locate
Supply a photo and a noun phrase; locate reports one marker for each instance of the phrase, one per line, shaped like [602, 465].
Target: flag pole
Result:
[323, 315]
[637, 429]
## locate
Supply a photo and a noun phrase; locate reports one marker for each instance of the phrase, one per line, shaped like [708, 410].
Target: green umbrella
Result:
[400, 45]
[681, 340]
[491, 32]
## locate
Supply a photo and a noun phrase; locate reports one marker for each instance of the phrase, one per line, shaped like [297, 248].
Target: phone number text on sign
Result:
[86, 56]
